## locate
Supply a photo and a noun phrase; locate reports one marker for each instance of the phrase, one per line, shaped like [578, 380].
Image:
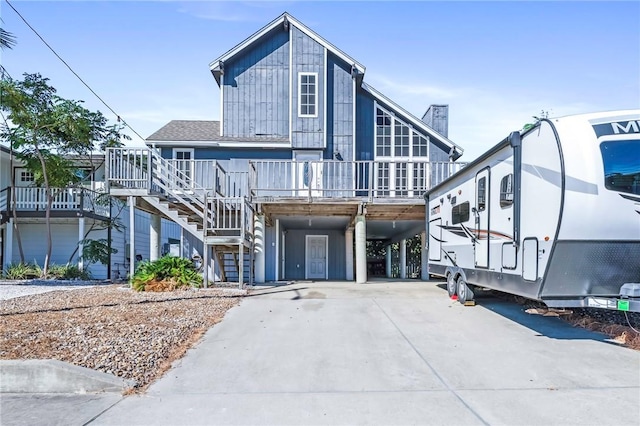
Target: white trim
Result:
[290, 86]
[414, 120]
[284, 257]
[307, 151]
[326, 79]
[214, 65]
[221, 126]
[277, 251]
[326, 255]
[315, 94]
[175, 150]
[354, 119]
[230, 144]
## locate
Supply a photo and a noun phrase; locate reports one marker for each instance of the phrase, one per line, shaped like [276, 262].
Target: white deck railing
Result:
[145, 169]
[63, 199]
[218, 197]
[368, 179]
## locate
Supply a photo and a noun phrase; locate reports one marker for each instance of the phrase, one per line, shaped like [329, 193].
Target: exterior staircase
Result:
[223, 224]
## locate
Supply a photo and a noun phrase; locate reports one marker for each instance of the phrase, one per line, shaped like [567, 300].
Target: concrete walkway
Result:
[389, 353]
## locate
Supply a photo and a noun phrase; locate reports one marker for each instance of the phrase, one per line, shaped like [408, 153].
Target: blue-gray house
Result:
[306, 163]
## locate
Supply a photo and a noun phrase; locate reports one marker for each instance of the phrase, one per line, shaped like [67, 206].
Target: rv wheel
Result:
[464, 291]
[451, 285]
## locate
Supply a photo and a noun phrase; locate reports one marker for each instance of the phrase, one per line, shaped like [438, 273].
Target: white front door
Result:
[308, 174]
[316, 254]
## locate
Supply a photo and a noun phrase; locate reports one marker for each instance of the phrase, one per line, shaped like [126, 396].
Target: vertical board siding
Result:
[256, 88]
[295, 253]
[307, 56]
[365, 122]
[340, 121]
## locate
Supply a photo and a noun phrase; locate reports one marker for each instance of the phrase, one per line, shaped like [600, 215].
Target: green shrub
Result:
[22, 271]
[166, 273]
[68, 272]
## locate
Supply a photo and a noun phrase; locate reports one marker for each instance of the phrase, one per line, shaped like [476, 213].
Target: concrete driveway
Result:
[390, 353]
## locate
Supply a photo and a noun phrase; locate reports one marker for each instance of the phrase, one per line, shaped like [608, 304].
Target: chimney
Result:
[437, 117]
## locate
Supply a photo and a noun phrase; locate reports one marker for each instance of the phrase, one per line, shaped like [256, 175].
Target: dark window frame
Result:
[482, 194]
[506, 191]
[460, 213]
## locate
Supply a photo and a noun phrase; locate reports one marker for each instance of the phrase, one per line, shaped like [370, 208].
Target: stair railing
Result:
[140, 168]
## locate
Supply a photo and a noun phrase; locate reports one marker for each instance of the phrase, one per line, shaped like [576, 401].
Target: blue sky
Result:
[495, 63]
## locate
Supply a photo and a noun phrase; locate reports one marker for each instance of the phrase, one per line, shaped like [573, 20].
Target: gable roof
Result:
[415, 121]
[217, 65]
[207, 133]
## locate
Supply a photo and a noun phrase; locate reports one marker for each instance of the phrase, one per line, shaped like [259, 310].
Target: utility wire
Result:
[74, 73]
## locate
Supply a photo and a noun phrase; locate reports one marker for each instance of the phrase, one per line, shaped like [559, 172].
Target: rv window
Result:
[460, 213]
[621, 166]
[506, 191]
[482, 193]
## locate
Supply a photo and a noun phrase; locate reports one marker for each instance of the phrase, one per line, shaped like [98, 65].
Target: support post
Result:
[132, 237]
[361, 249]
[424, 264]
[241, 265]
[205, 265]
[348, 249]
[155, 236]
[403, 259]
[277, 251]
[81, 224]
[8, 244]
[259, 248]
[388, 257]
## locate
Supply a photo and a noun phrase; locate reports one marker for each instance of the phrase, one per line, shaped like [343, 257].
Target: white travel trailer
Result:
[552, 214]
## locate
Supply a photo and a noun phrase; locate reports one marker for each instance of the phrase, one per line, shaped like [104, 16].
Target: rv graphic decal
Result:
[473, 234]
[617, 128]
[629, 197]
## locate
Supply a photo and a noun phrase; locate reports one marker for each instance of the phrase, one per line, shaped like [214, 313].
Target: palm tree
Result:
[7, 40]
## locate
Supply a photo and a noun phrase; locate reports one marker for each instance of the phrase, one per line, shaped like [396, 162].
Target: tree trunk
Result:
[47, 258]
[15, 224]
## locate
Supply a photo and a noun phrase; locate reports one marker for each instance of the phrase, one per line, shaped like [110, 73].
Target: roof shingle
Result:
[201, 130]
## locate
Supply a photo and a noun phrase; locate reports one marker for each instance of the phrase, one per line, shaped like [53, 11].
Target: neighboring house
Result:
[77, 213]
[306, 163]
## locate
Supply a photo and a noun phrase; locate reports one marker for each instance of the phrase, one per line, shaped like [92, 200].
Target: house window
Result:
[308, 94]
[383, 135]
[402, 180]
[420, 144]
[506, 191]
[27, 176]
[384, 182]
[420, 176]
[405, 149]
[460, 213]
[401, 140]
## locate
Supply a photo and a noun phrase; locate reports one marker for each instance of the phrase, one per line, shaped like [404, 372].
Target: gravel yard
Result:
[134, 335]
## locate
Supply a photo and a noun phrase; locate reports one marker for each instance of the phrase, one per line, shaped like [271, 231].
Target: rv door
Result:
[482, 219]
